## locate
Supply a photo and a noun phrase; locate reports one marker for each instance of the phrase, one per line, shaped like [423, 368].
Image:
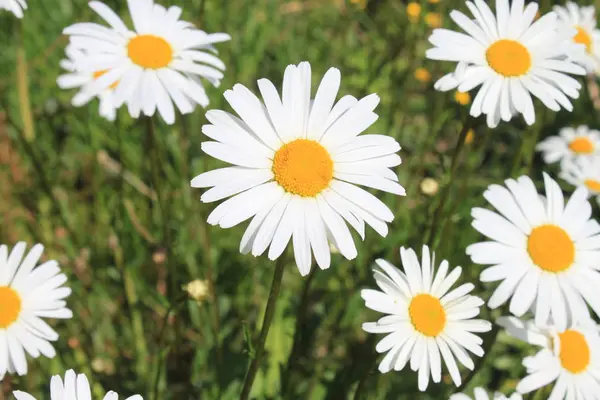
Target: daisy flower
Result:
[77, 79]
[425, 318]
[28, 294]
[15, 6]
[510, 57]
[570, 143]
[154, 66]
[74, 387]
[569, 357]
[583, 172]
[481, 394]
[583, 19]
[296, 163]
[544, 253]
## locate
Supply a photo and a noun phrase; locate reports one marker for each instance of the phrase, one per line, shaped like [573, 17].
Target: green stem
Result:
[362, 383]
[268, 319]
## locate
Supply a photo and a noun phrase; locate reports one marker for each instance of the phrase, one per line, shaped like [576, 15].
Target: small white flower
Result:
[571, 143]
[583, 172]
[28, 294]
[74, 387]
[425, 318]
[156, 65]
[480, 394]
[583, 19]
[15, 6]
[569, 357]
[511, 57]
[544, 253]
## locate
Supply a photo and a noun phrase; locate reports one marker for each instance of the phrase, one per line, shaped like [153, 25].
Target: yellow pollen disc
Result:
[149, 51]
[574, 351]
[98, 74]
[10, 306]
[583, 37]
[462, 98]
[508, 58]
[593, 185]
[551, 248]
[427, 314]
[582, 145]
[303, 167]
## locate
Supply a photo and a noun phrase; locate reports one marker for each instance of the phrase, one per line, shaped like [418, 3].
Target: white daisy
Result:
[28, 294]
[569, 144]
[569, 357]
[74, 387]
[583, 19]
[481, 394]
[77, 79]
[296, 163]
[156, 65]
[510, 57]
[544, 253]
[583, 172]
[15, 6]
[425, 318]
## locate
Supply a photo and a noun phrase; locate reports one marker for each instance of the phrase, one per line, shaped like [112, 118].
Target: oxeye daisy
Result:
[583, 172]
[15, 6]
[28, 294]
[154, 66]
[569, 357]
[480, 394]
[296, 162]
[425, 318]
[569, 144]
[75, 387]
[511, 57]
[76, 79]
[545, 253]
[583, 19]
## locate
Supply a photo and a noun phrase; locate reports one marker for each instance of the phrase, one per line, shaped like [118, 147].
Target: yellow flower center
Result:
[433, 20]
[508, 58]
[422, 75]
[413, 10]
[427, 314]
[593, 185]
[303, 167]
[149, 51]
[462, 98]
[551, 248]
[470, 137]
[10, 306]
[582, 145]
[583, 37]
[574, 351]
[98, 74]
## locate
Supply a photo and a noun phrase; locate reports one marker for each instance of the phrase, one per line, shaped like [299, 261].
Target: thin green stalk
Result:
[268, 319]
[362, 383]
[23, 89]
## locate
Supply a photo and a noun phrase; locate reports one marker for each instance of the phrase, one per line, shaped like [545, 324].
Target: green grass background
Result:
[134, 331]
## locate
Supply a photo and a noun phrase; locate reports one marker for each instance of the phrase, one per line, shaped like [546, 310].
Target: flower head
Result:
[571, 143]
[15, 6]
[583, 20]
[583, 172]
[480, 394]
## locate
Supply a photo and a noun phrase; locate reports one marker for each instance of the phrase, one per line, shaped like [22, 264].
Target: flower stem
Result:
[269, 313]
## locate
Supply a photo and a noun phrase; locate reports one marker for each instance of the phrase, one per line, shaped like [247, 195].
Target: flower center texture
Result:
[427, 314]
[508, 58]
[303, 167]
[574, 351]
[551, 248]
[582, 145]
[10, 306]
[98, 74]
[593, 185]
[583, 37]
[149, 51]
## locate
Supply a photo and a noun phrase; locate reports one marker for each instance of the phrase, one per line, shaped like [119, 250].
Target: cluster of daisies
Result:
[299, 164]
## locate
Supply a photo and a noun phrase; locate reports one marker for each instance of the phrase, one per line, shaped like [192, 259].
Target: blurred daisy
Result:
[76, 79]
[569, 357]
[583, 172]
[74, 387]
[544, 253]
[481, 394]
[510, 57]
[425, 318]
[28, 294]
[570, 143]
[583, 19]
[296, 163]
[15, 6]
[156, 65]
